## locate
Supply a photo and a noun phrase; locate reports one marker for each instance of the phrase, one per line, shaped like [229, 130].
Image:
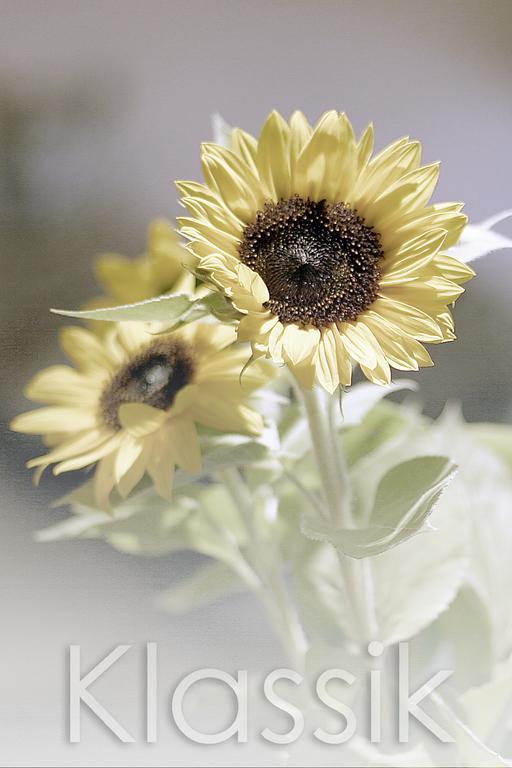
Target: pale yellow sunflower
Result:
[331, 256]
[132, 402]
[163, 268]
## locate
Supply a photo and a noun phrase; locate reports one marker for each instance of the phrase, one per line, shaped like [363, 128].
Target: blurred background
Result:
[102, 105]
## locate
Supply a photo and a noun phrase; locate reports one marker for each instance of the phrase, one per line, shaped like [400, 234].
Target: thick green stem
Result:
[357, 574]
[266, 564]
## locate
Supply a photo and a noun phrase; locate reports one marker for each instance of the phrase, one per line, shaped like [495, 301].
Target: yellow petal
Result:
[134, 473]
[397, 230]
[343, 358]
[381, 374]
[127, 454]
[253, 283]
[339, 188]
[139, 419]
[104, 481]
[132, 335]
[305, 373]
[327, 372]
[275, 343]
[381, 172]
[214, 411]
[412, 320]
[411, 191]
[318, 164]
[62, 385]
[161, 463]
[256, 326]
[54, 419]
[246, 147]
[453, 269]
[273, 157]
[80, 443]
[364, 148]
[208, 338]
[185, 445]
[86, 459]
[217, 238]
[402, 351]
[412, 257]
[235, 184]
[300, 132]
[359, 343]
[225, 368]
[84, 348]
[299, 344]
[426, 294]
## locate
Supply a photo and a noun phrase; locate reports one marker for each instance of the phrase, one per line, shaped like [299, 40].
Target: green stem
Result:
[332, 467]
[265, 562]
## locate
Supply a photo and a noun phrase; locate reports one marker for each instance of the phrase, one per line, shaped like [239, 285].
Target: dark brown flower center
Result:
[153, 377]
[319, 261]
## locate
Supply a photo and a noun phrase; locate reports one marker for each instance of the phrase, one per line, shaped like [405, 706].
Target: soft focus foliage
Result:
[443, 587]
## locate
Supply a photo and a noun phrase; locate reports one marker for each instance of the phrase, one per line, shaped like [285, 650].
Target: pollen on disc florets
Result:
[319, 260]
[154, 376]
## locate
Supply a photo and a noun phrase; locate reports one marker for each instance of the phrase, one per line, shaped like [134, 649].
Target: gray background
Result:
[103, 104]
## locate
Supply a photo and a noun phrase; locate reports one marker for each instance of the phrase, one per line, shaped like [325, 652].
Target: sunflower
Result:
[133, 399]
[161, 269]
[331, 257]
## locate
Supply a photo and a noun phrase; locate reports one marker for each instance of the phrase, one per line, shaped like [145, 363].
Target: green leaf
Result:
[405, 497]
[468, 628]
[383, 423]
[166, 308]
[419, 580]
[471, 749]
[220, 307]
[489, 705]
[320, 592]
[413, 584]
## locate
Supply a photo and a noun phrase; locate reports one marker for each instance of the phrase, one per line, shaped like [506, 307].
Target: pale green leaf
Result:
[412, 584]
[404, 499]
[472, 750]
[378, 428]
[488, 706]
[166, 308]
[468, 627]
[418, 581]
[320, 591]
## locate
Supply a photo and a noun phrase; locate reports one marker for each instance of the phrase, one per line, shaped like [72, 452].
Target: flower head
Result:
[132, 402]
[330, 256]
